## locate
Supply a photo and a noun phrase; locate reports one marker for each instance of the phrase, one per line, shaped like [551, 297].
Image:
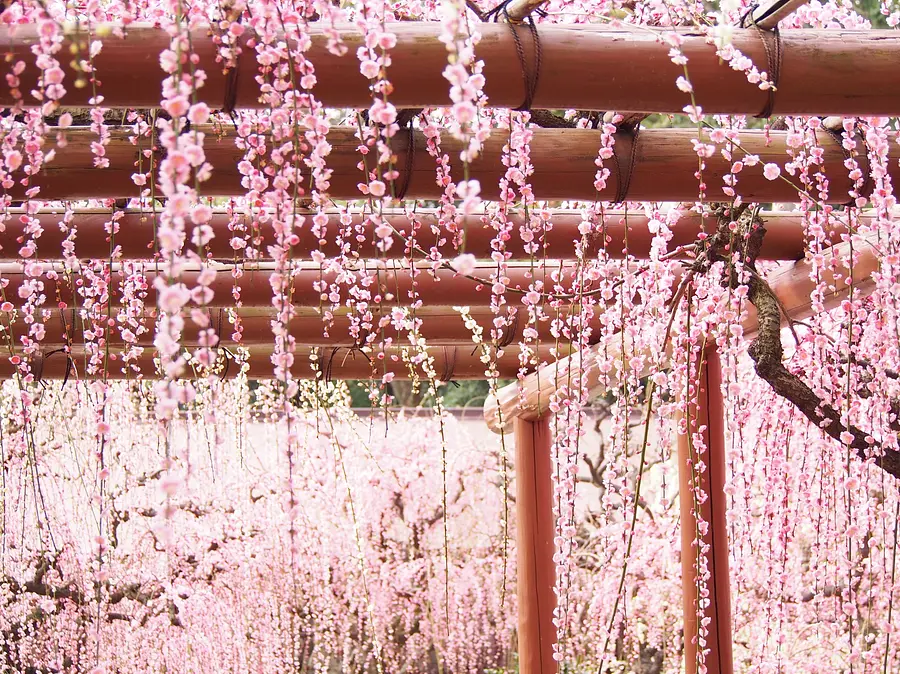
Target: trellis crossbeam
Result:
[450, 363]
[659, 167]
[386, 286]
[584, 67]
[136, 235]
[440, 327]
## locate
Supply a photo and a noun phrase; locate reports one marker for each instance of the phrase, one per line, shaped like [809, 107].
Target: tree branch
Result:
[767, 350]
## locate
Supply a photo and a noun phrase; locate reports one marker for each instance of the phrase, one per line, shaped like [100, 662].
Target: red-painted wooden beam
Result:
[389, 286]
[535, 531]
[450, 363]
[584, 67]
[136, 235]
[715, 652]
[657, 165]
[439, 328]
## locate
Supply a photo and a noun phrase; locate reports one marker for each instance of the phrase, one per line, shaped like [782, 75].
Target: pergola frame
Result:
[528, 415]
[585, 67]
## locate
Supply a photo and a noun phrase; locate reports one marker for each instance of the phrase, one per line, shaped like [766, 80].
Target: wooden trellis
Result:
[583, 67]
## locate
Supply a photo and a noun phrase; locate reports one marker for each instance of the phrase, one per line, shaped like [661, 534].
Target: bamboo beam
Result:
[535, 531]
[584, 67]
[440, 328]
[765, 17]
[706, 417]
[389, 286]
[662, 165]
[450, 364]
[135, 238]
[791, 283]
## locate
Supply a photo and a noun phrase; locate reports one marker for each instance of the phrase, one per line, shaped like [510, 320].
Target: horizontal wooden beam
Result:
[791, 284]
[450, 363]
[135, 236]
[661, 164]
[387, 286]
[439, 328]
[584, 67]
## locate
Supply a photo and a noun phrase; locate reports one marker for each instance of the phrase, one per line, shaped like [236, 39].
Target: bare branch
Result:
[519, 10]
[767, 15]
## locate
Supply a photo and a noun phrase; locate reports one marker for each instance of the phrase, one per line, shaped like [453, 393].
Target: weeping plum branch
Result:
[767, 350]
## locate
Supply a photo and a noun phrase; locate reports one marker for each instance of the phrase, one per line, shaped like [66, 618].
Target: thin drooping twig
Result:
[767, 351]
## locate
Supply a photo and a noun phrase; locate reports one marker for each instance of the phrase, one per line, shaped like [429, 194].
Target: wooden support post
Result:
[709, 413]
[535, 528]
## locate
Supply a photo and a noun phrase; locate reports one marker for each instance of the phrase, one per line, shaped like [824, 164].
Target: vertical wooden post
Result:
[709, 412]
[536, 570]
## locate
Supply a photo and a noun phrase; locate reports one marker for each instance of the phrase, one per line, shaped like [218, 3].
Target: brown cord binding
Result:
[361, 340]
[66, 349]
[410, 160]
[157, 152]
[623, 177]
[449, 364]
[68, 325]
[774, 59]
[326, 363]
[229, 100]
[510, 330]
[868, 185]
[228, 357]
[530, 76]
[70, 365]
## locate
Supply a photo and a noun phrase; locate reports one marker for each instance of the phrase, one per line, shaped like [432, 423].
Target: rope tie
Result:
[67, 336]
[157, 152]
[449, 363]
[868, 185]
[510, 330]
[530, 75]
[67, 324]
[774, 58]
[226, 355]
[623, 177]
[361, 340]
[70, 364]
[410, 160]
[222, 352]
[229, 100]
[325, 362]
